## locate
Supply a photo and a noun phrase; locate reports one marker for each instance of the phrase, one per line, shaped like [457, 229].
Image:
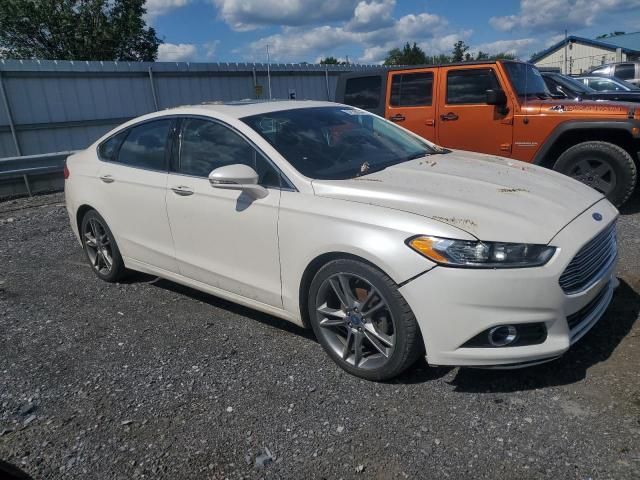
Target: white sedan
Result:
[388, 246]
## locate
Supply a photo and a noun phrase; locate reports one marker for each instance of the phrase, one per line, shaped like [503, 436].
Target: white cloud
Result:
[181, 52]
[245, 15]
[371, 15]
[549, 15]
[156, 8]
[515, 47]
[552, 40]
[297, 44]
[210, 49]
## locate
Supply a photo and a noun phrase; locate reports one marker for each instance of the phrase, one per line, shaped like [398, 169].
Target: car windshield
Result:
[604, 84]
[573, 84]
[337, 143]
[526, 80]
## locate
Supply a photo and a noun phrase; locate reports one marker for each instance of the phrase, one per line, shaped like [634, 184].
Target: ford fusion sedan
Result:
[386, 245]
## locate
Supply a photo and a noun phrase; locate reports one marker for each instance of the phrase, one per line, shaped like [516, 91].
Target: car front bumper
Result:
[453, 305]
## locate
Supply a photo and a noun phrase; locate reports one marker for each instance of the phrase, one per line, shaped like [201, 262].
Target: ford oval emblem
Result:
[597, 216]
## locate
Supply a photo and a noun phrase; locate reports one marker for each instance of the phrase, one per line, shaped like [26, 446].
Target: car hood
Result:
[491, 198]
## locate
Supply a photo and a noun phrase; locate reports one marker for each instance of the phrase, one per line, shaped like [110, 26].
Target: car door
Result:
[131, 192]
[465, 120]
[410, 101]
[224, 238]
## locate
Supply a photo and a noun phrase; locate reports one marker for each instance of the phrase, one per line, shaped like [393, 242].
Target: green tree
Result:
[76, 30]
[459, 50]
[409, 55]
[502, 56]
[331, 61]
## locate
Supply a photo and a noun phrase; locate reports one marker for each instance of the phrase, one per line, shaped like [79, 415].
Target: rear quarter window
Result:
[626, 71]
[363, 92]
[412, 89]
[108, 150]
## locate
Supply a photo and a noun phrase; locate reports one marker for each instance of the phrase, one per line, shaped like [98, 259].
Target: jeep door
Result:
[409, 101]
[464, 119]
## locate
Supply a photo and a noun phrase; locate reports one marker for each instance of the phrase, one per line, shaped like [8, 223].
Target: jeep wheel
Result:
[604, 166]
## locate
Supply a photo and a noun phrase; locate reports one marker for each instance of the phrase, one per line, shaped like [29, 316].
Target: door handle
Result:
[449, 117]
[182, 191]
[397, 118]
[107, 178]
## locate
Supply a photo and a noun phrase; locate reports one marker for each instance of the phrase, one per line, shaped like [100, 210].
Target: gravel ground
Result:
[152, 380]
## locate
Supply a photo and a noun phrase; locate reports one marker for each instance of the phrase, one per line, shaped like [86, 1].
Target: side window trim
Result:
[492, 73]
[127, 130]
[285, 183]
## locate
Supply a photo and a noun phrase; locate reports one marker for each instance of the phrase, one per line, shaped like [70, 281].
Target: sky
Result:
[365, 30]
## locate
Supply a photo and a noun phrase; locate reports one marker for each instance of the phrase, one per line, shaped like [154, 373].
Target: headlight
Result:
[464, 253]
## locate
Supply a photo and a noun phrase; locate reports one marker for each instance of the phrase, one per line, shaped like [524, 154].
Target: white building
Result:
[578, 55]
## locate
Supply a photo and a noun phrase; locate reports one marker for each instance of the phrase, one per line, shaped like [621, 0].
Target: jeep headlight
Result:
[476, 254]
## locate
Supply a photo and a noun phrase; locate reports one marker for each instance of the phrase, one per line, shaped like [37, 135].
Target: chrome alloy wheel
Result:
[98, 246]
[356, 321]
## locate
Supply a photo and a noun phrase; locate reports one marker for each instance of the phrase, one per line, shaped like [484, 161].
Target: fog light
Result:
[503, 335]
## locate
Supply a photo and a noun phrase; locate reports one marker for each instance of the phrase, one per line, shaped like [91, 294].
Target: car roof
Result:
[245, 108]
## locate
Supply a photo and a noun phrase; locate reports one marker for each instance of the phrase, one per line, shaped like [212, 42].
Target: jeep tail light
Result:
[66, 171]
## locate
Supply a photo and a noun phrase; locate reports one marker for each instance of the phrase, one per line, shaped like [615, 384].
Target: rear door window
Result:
[412, 89]
[145, 145]
[626, 71]
[470, 86]
[363, 92]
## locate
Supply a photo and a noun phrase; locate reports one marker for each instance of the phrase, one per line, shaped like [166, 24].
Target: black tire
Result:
[107, 249]
[408, 344]
[604, 166]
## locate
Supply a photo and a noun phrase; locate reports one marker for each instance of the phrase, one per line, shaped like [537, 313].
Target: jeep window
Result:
[526, 80]
[336, 142]
[363, 92]
[470, 86]
[625, 71]
[412, 89]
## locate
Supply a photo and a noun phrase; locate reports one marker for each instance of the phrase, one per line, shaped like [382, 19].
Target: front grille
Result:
[590, 262]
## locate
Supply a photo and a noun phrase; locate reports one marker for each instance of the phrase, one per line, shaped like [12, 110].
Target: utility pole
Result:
[269, 71]
[566, 42]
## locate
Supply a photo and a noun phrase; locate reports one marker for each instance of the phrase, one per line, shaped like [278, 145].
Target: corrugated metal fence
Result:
[48, 107]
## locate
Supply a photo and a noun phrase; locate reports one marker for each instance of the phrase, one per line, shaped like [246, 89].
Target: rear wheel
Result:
[603, 166]
[362, 321]
[100, 248]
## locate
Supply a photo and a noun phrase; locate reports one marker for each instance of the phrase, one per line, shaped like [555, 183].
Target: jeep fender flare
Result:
[581, 125]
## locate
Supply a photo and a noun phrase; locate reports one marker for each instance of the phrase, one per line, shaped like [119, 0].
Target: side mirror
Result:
[238, 177]
[496, 97]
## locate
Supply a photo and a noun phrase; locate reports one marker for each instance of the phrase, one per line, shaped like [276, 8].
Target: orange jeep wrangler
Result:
[504, 108]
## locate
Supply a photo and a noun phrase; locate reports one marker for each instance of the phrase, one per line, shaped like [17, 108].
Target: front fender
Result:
[312, 226]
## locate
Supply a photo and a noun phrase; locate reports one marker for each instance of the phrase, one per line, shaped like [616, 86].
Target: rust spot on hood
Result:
[512, 190]
[360, 179]
[458, 222]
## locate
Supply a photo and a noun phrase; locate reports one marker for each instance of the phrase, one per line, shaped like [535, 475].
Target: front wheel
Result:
[603, 166]
[362, 321]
